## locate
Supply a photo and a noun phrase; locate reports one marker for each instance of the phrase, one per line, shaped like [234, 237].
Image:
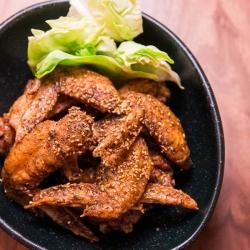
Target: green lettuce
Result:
[67, 34]
[147, 59]
[86, 37]
[131, 60]
[122, 19]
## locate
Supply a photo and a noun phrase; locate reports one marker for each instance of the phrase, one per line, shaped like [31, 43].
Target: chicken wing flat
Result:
[88, 87]
[10, 121]
[167, 195]
[115, 135]
[149, 87]
[117, 190]
[162, 125]
[46, 149]
[38, 110]
[21, 105]
[67, 219]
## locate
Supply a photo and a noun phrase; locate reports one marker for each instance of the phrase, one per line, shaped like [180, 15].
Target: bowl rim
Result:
[214, 111]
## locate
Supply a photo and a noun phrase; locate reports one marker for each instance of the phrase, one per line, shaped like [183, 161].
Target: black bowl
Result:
[163, 227]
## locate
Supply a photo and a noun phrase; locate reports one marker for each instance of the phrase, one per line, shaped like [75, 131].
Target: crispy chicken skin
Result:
[167, 195]
[42, 99]
[63, 103]
[162, 125]
[109, 170]
[149, 87]
[75, 174]
[117, 190]
[21, 105]
[7, 136]
[46, 149]
[115, 135]
[88, 87]
[67, 219]
[38, 110]
[124, 224]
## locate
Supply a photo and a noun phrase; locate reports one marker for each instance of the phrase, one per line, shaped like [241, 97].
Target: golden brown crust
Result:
[63, 103]
[160, 194]
[162, 177]
[7, 136]
[46, 149]
[149, 87]
[124, 224]
[115, 136]
[161, 123]
[38, 110]
[88, 87]
[118, 188]
[67, 219]
[114, 193]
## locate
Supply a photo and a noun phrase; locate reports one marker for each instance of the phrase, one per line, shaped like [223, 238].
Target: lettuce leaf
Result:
[86, 37]
[67, 34]
[122, 19]
[131, 60]
[148, 59]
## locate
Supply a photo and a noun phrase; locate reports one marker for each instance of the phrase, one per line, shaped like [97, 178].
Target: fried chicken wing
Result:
[117, 190]
[44, 99]
[108, 173]
[162, 177]
[75, 174]
[167, 195]
[162, 172]
[149, 87]
[162, 125]
[67, 219]
[88, 87]
[63, 103]
[7, 136]
[21, 105]
[46, 149]
[124, 224]
[115, 136]
[38, 110]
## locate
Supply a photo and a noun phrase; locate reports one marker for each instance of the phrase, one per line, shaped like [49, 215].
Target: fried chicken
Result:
[161, 123]
[46, 149]
[38, 110]
[108, 173]
[63, 103]
[43, 99]
[7, 136]
[115, 135]
[67, 219]
[149, 87]
[167, 195]
[88, 87]
[117, 190]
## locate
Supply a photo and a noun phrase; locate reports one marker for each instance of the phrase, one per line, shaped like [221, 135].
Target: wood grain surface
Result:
[218, 33]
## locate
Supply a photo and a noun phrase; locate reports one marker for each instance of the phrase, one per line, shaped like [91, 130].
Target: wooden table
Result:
[218, 33]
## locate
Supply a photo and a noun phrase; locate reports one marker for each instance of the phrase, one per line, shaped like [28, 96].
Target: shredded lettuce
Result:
[86, 37]
[122, 19]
